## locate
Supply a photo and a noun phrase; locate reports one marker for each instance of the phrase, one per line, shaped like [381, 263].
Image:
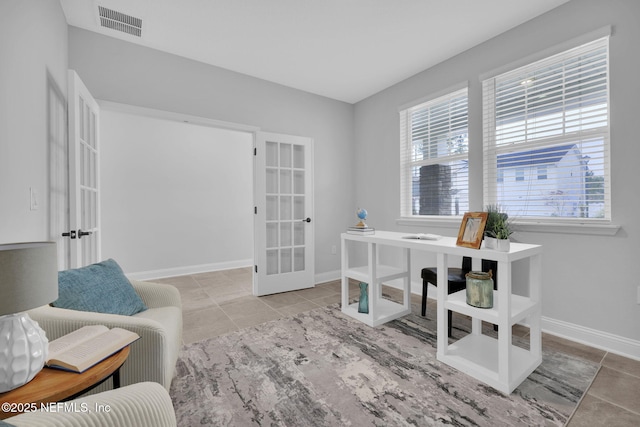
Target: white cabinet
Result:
[496, 362]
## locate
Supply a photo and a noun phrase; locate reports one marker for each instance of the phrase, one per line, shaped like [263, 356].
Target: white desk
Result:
[496, 362]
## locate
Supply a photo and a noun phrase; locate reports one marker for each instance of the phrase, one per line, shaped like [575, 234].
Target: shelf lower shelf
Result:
[478, 356]
[384, 273]
[521, 307]
[384, 311]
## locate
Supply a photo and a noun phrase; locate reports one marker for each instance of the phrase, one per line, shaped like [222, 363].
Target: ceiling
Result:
[342, 49]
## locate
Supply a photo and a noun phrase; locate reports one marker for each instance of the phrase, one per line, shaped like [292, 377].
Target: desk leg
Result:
[442, 318]
[407, 280]
[504, 324]
[345, 279]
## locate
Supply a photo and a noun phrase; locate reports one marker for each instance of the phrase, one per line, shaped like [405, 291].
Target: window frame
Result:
[406, 145]
[491, 149]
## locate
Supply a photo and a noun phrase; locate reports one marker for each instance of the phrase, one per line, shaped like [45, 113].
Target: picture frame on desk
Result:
[472, 229]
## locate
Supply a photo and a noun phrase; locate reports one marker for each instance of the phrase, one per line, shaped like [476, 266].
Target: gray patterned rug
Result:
[321, 368]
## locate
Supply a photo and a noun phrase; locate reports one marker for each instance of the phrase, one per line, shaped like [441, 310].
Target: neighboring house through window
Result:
[546, 137]
[434, 146]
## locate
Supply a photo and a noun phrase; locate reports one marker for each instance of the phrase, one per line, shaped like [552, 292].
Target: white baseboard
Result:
[192, 269]
[327, 277]
[592, 337]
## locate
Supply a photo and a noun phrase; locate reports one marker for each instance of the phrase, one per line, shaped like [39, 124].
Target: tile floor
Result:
[220, 302]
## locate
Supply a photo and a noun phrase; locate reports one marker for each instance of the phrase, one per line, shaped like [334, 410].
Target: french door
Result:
[84, 175]
[283, 226]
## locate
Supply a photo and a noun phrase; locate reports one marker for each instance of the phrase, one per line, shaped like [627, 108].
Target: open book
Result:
[422, 236]
[87, 346]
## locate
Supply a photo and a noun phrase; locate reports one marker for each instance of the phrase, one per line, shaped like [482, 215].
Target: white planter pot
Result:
[490, 242]
[504, 245]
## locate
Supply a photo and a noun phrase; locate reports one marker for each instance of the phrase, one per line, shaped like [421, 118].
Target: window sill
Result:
[597, 229]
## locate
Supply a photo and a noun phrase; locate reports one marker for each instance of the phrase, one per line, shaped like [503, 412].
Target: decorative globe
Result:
[362, 213]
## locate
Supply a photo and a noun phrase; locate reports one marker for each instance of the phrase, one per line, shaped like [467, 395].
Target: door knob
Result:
[83, 233]
[71, 234]
[306, 220]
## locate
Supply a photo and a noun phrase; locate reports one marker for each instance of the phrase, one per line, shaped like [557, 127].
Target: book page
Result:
[60, 345]
[89, 352]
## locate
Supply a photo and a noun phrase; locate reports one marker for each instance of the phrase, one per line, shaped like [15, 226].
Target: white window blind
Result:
[434, 156]
[546, 137]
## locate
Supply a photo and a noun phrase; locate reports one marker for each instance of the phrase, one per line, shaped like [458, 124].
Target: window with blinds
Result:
[546, 137]
[434, 157]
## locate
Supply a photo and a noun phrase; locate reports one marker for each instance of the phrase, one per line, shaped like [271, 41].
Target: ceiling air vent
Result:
[120, 22]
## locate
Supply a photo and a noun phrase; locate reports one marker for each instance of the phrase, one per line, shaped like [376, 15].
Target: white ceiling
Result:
[342, 49]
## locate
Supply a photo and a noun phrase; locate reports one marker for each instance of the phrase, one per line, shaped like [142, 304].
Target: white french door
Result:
[84, 174]
[283, 226]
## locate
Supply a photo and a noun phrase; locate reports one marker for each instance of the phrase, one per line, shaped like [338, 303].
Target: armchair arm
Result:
[152, 357]
[157, 294]
[139, 405]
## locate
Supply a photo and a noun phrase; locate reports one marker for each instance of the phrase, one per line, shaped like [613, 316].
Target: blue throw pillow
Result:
[101, 288]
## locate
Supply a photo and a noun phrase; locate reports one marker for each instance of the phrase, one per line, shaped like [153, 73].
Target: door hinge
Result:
[255, 210]
[256, 266]
[255, 151]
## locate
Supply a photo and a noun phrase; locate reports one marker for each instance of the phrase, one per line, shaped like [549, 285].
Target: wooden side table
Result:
[55, 385]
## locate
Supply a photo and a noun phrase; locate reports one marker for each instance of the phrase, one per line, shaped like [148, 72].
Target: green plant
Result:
[494, 220]
[502, 228]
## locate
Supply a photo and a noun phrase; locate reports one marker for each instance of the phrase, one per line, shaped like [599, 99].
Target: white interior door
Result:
[84, 174]
[283, 193]
[58, 171]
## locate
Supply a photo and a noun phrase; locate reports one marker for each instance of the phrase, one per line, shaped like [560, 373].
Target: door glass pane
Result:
[285, 260]
[298, 182]
[272, 181]
[285, 181]
[272, 261]
[285, 207]
[285, 155]
[298, 156]
[272, 208]
[298, 207]
[298, 233]
[272, 154]
[285, 234]
[272, 235]
[298, 261]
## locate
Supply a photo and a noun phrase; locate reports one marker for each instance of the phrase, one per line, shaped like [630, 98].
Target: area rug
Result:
[322, 368]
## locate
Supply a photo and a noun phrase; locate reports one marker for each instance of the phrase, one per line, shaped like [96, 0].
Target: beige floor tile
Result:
[198, 334]
[245, 307]
[623, 364]
[328, 300]
[180, 282]
[572, 348]
[617, 387]
[196, 299]
[200, 318]
[284, 299]
[294, 309]
[595, 412]
[316, 293]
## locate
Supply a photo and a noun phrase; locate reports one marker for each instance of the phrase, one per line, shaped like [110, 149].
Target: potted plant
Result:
[501, 231]
[490, 229]
[497, 229]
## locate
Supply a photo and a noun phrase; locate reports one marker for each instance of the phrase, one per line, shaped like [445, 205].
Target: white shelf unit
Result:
[381, 310]
[494, 361]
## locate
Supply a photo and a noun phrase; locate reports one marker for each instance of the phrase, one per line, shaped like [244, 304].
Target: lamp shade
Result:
[28, 276]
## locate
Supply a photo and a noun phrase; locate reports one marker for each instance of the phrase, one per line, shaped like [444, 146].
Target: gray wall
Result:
[122, 72]
[33, 56]
[588, 281]
[181, 199]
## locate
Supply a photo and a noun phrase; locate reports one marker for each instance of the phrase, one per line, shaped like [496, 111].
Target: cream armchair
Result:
[138, 405]
[153, 357]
